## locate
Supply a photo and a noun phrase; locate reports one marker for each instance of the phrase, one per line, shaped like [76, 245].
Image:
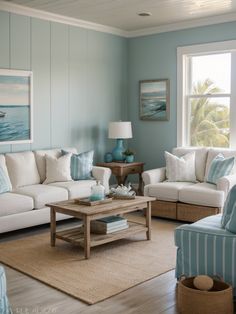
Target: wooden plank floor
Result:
[29, 296]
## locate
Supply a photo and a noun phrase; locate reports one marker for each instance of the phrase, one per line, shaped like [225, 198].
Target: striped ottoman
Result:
[4, 304]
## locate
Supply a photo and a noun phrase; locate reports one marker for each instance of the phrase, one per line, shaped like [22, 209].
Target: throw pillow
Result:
[57, 169]
[5, 183]
[220, 167]
[81, 165]
[231, 224]
[180, 168]
[228, 206]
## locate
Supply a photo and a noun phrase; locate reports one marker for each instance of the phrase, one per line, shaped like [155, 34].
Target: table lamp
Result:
[119, 130]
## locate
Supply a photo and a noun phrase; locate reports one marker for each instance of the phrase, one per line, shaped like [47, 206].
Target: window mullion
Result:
[233, 102]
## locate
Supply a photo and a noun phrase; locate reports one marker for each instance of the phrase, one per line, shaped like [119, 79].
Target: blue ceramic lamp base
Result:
[117, 152]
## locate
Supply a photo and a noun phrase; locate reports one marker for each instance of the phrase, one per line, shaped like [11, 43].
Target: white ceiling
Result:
[122, 14]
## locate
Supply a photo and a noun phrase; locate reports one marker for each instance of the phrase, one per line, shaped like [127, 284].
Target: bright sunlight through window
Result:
[206, 101]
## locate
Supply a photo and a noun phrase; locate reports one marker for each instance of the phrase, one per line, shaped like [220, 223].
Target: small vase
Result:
[108, 157]
[97, 192]
[129, 158]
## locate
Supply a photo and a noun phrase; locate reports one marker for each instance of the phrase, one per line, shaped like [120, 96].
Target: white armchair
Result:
[189, 201]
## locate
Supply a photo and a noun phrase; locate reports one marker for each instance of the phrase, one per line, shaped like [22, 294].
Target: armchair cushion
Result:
[203, 193]
[154, 176]
[228, 206]
[165, 191]
[231, 224]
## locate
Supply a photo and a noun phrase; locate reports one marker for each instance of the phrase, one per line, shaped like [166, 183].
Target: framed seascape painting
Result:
[154, 100]
[16, 106]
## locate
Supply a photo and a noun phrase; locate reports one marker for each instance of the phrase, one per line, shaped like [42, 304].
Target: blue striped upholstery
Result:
[220, 167]
[81, 165]
[4, 304]
[204, 247]
[231, 224]
[5, 184]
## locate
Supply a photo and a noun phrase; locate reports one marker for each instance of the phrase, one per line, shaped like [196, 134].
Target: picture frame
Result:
[16, 106]
[154, 100]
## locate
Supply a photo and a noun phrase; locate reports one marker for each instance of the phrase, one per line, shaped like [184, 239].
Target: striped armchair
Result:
[205, 248]
[4, 304]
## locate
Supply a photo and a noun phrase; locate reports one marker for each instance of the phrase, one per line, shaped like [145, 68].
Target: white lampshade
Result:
[120, 130]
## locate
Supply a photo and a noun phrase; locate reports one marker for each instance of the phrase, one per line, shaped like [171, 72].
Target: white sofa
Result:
[189, 201]
[25, 206]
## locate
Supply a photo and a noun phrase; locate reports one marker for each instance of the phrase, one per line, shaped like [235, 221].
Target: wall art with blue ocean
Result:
[15, 106]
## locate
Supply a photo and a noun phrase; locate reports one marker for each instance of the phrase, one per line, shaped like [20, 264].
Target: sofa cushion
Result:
[58, 169]
[41, 161]
[11, 203]
[213, 152]
[81, 165]
[205, 194]
[200, 158]
[76, 189]
[43, 194]
[220, 167]
[180, 169]
[4, 167]
[166, 191]
[22, 169]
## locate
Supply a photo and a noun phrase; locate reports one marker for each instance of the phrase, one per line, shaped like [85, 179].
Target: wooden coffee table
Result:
[81, 235]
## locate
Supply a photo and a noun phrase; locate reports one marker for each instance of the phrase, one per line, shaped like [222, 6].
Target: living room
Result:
[86, 63]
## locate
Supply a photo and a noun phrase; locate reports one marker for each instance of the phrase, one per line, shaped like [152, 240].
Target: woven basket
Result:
[218, 300]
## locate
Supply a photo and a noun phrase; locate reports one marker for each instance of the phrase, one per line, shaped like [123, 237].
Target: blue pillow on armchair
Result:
[81, 165]
[231, 224]
[228, 206]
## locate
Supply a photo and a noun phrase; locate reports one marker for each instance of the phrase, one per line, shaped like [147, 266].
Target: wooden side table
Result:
[121, 170]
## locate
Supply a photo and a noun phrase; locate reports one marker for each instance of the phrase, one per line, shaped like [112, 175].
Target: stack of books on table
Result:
[109, 224]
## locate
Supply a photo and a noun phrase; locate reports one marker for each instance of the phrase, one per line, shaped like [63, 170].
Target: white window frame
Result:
[183, 54]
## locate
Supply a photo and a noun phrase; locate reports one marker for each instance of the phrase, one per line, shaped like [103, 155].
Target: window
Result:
[206, 97]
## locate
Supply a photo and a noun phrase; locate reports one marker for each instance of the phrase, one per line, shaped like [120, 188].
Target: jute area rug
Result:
[112, 268]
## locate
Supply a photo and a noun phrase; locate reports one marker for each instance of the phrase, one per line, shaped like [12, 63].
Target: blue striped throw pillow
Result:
[5, 184]
[228, 206]
[81, 165]
[220, 167]
[231, 224]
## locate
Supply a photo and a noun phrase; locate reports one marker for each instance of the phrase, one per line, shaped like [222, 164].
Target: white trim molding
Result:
[23, 10]
[183, 72]
[43, 15]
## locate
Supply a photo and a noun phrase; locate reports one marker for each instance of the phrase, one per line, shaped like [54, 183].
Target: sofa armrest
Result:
[226, 183]
[103, 175]
[154, 176]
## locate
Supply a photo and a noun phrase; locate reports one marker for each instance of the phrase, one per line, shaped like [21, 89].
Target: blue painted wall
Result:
[80, 81]
[155, 57]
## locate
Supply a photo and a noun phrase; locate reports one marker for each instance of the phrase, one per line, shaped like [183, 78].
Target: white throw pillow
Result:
[57, 169]
[180, 168]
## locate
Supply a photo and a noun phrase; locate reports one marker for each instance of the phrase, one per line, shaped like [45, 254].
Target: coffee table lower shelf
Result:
[76, 235]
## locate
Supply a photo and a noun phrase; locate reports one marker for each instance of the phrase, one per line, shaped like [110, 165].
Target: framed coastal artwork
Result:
[16, 106]
[154, 100]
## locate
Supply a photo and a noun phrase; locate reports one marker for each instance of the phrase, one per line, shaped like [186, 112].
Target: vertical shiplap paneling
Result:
[106, 70]
[4, 54]
[59, 85]
[20, 47]
[41, 72]
[78, 111]
[97, 90]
